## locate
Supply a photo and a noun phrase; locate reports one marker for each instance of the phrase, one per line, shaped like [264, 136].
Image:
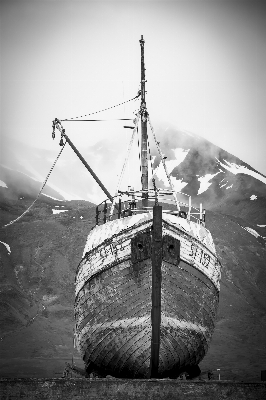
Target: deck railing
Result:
[130, 202]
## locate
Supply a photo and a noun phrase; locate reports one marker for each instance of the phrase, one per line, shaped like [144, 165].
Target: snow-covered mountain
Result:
[212, 176]
[196, 165]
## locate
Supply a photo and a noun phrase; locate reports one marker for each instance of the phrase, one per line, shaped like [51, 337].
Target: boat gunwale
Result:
[128, 258]
[109, 239]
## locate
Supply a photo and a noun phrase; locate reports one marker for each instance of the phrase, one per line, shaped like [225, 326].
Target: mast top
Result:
[144, 137]
[143, 79]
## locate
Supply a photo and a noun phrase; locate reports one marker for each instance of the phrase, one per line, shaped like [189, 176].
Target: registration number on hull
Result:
[196, 252]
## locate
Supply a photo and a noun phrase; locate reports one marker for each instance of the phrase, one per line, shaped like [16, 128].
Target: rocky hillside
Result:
[39, 256]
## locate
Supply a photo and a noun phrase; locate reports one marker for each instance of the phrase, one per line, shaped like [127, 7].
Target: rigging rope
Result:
[136, 121]
[164, 165]
[105, 109]
[97, 120]
[44, 183]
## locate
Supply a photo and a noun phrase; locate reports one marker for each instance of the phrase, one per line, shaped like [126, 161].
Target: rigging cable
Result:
[105, 109]
[44, 183]
[136, 121]
[164, 164]
[96, 120]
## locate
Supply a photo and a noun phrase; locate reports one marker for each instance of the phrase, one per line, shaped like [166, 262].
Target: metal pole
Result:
[156, 259]
[218, 369]
[119, 208]
[144, 137]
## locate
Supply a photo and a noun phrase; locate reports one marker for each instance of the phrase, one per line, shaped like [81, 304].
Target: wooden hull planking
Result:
[113, 303]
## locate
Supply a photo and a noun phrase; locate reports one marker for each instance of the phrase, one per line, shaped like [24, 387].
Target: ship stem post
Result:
[144, 137]
[156, 258]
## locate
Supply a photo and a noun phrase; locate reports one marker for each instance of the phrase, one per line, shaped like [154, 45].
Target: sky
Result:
[205, 68]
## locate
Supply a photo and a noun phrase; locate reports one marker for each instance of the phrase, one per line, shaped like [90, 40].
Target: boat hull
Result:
[113, 305]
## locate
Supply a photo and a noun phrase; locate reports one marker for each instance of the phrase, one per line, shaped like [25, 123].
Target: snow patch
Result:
[261, 226]
[253, 197]
[81, 217]
[204, 182]
[3, 184]
[58, 211]
[241, 169]
[252, 231]
[228, 187]
[7, 246]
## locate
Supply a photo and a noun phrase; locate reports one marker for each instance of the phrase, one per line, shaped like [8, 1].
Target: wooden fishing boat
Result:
[147, 287]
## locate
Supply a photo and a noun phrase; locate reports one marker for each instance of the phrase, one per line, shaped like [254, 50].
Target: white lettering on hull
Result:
[118, 249]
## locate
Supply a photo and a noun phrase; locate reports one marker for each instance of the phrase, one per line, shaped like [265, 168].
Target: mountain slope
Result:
[39, 256]
[212, 176]
[239, 337]
[16, 184]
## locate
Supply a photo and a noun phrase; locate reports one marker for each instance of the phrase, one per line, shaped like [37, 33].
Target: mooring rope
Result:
[44, 183]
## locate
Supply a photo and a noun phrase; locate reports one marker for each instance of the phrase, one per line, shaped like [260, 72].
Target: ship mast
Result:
[144, 137]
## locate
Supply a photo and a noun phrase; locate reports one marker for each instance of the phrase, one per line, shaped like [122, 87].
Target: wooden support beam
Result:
[156, 258]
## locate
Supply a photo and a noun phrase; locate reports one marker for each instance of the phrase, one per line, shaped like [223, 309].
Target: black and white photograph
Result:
[133, 199]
